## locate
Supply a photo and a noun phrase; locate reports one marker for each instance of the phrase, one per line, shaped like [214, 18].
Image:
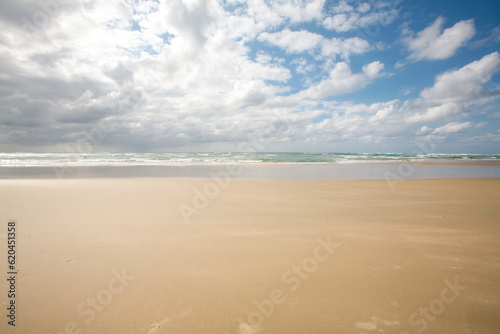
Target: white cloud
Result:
[293, 41]
[424, 131]
[443, 132]
[378, 122]
[258, 15]
[248, 93]
[261, 12]
[464, 83]
[456, 91]
[366, 18]
[454, 127]
[341, 22]
[367, 123]
[300, 11]
[433, 43]
[303, 40]
[344, 47]
[364, 7]
[185, 75]
[341, 81]
[302, 66]
[147, 91]
[384, 112]
[343, 7]
[436, 113]
[373, 70]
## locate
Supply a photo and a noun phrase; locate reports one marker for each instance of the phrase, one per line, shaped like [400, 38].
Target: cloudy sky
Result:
[232, 75]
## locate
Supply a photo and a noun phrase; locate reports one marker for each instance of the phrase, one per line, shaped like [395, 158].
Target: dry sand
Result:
[329, 256]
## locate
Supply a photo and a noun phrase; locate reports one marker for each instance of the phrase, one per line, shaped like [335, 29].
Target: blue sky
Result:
[206, 75]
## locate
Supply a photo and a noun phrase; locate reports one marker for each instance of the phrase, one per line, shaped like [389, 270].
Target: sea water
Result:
[218, 158]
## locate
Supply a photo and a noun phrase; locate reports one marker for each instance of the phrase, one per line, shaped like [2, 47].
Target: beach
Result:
[242, 255]
[249, 167]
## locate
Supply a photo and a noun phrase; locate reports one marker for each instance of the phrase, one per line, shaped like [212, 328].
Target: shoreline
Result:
[323, 171]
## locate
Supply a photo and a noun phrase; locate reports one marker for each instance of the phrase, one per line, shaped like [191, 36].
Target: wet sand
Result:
[313, 171]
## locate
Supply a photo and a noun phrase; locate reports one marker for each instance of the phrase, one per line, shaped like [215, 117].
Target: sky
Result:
[260, 75]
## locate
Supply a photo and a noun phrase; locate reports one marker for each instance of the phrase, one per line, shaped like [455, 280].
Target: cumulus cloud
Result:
[147, 75]
[463, 83]
[344, 47]
[373, 70]
[381, 121]
[300, 11]
[347, 18]
[293, 41]
[423, 131]
[372, 123]
[303, 40]
[175, 75]
[341, 80]
[302, 66]
[456, 91]
[364, 7]
[342, 7]
[433, 43]
[435, 113]
[341, 22]
[453, 127]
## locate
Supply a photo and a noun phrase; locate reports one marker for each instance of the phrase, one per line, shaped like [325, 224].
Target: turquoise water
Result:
[213, 158]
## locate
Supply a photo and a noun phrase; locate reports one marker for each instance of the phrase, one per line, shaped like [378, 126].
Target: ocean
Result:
[261, 165]
[213, 158]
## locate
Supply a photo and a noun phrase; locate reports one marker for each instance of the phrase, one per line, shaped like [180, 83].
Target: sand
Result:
[154, 255]
[315, 171]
